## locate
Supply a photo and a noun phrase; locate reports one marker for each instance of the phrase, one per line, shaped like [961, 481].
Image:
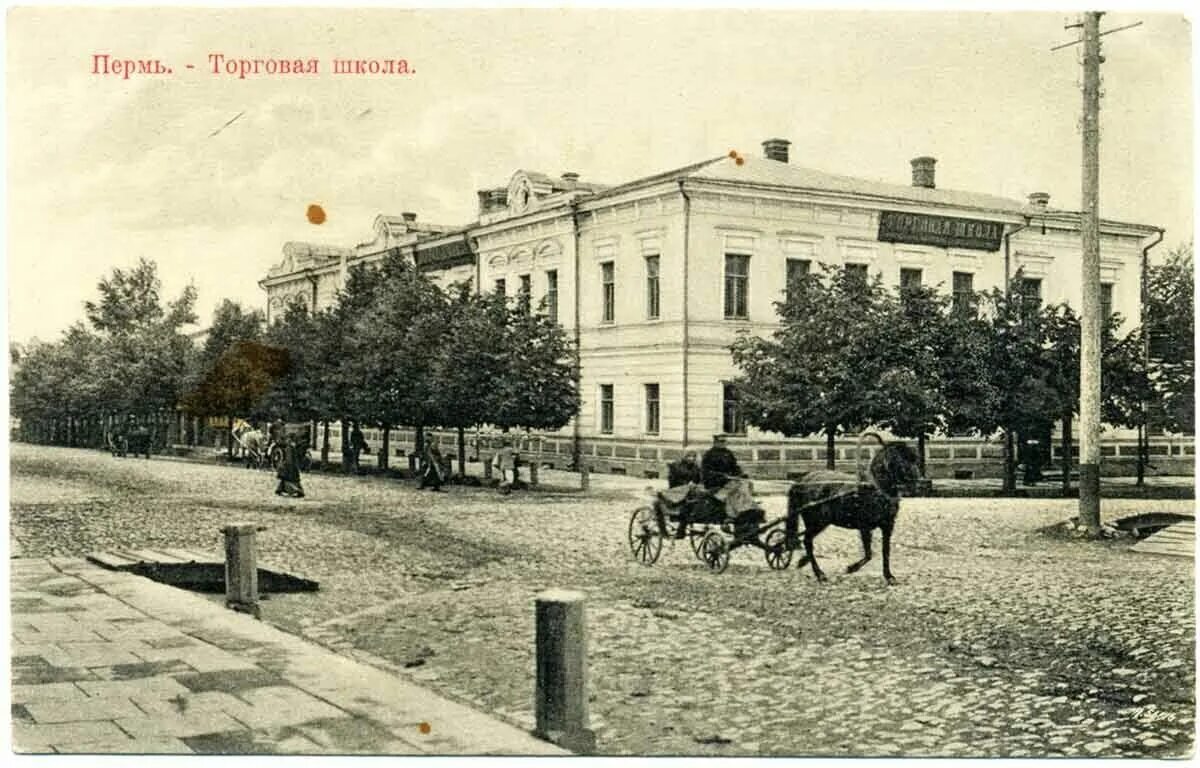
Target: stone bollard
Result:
[241, 567]
[487, 467]
[585, 477]
[533, 473]
[561, 697]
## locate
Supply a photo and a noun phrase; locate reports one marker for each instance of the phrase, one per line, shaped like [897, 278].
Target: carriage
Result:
[713, 530]
[261, 452]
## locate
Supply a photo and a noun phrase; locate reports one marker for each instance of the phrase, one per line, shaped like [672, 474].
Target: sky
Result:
[104, 170]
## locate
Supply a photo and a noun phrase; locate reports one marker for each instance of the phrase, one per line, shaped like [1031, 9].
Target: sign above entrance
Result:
[942, 231]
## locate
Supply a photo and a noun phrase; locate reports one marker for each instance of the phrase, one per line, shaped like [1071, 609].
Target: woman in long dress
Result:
[289, 470]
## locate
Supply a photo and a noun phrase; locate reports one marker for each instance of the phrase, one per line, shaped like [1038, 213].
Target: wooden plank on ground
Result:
[111, 560]
[193, 556]
[1177, 540]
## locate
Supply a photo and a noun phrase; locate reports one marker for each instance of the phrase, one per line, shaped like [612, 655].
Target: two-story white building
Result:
[655, 278]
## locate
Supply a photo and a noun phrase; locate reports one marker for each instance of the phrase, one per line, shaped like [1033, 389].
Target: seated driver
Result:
[725, 478]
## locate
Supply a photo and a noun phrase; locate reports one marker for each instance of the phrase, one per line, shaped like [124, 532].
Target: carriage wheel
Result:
[276, 457]
[779, 557]
[714, 552]
[696, 539]
[645, 539]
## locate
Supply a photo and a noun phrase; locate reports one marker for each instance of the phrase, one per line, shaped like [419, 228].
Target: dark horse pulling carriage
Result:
[821, 498]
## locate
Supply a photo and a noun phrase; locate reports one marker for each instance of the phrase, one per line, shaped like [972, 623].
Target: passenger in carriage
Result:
[684, 478]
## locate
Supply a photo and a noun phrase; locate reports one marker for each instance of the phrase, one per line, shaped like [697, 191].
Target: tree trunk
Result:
[346, 456]
[1143, 441]
[829, 456]
[384, 451]
[325, 446]
[921, 453]
[230, 436]
[1066, 457]
[1010, 464]
[462, 452]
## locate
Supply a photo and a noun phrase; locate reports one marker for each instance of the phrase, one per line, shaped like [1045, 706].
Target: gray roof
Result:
[757, 171]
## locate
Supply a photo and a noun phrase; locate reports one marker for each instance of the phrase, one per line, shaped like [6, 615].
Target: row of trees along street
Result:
[849, 354]
[397, 350]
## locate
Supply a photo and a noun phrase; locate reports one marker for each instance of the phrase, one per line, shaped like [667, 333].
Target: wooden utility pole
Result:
[1089, 225]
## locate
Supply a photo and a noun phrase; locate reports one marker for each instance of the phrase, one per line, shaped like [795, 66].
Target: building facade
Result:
[655, 279]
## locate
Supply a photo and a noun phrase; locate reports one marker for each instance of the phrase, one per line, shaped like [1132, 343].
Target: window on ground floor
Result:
[652, 409]
[732, 421]
[606, 409]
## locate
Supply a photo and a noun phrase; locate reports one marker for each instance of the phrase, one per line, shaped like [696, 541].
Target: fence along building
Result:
[654, 279]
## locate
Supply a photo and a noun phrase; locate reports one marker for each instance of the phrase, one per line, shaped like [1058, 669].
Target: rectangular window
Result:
[652, 409]
[607, 280]
[857, 272]
[732, 422]
[964, 286]
[606, 409]
[652, 301]
[1031, 294]
[552, 295]
[1106, 294]
[525, 292]
[500, 287]
[796, 269]
[910, 279]
[737, 285]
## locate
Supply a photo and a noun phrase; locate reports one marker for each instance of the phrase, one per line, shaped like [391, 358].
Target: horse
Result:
[254, 442]
[823, 498]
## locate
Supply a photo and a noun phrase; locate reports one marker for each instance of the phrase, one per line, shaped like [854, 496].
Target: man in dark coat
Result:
[719, 465]
[726, 480]
[358, 445]
[289, 470]
[431, 466]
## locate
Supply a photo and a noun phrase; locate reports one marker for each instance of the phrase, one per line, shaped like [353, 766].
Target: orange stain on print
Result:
[316, 214]
[424, 728]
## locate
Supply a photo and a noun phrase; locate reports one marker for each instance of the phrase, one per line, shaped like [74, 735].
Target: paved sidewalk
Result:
[108, 662]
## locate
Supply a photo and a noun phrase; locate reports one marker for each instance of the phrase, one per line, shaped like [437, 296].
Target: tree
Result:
[539, 388]
[227, 375]
[472, 360]
[239, 380]
[1021, 397]
[910, 397]
[294, 394]
[818, 371]
[1170, 321]
[145, 356]
[393, 347]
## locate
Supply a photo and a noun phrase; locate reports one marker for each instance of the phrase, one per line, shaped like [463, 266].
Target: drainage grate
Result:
[190, 569]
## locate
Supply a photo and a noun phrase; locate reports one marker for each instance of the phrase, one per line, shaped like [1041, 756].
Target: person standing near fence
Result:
[505, 463]
[431, 466]
[358, 446]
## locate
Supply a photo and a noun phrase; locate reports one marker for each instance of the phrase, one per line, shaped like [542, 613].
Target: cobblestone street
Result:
[998, 640]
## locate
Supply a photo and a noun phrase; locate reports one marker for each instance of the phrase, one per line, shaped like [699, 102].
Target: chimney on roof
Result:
[1039, 199]
[922, 171]
[776, 149]
[409, 217]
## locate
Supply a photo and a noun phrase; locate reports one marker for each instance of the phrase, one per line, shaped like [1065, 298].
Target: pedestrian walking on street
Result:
[431, 466]
[289, 470]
